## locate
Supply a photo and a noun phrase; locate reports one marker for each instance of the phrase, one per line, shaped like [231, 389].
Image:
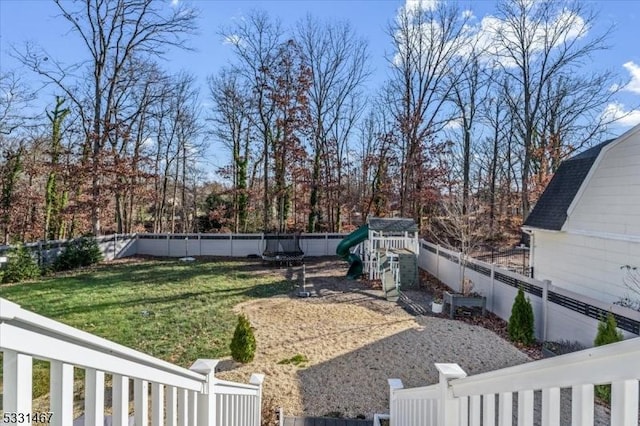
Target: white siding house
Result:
[586, 225]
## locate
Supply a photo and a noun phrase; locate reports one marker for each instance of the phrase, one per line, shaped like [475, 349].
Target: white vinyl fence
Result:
[507, 396]
[232, 245]
[113, 246]
[559, 314]
[178, 396]
[182, 245]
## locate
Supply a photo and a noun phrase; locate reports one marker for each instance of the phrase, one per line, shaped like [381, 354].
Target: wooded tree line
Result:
[473, 115]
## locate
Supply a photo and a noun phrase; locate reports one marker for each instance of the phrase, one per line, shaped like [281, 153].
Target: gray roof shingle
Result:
[550, 212]
[392, 224]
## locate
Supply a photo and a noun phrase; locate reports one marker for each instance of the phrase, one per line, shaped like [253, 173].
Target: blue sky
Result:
[38, 21]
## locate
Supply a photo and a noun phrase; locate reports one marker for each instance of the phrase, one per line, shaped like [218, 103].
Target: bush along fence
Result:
[559, 314]
[112, 247]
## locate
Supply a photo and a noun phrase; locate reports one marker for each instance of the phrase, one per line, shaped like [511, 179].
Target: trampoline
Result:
[282, 249]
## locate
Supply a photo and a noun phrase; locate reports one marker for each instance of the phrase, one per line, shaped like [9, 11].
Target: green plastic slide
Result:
[351, 240]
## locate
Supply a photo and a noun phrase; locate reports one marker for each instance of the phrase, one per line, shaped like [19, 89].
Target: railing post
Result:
[206, 410]
[449, 405]
[257, 379]
[394, 385]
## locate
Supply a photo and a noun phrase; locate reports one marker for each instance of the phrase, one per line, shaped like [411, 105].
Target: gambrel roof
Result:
[550, 212]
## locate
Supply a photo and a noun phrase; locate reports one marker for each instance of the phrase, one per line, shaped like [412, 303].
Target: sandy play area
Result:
[354, 340]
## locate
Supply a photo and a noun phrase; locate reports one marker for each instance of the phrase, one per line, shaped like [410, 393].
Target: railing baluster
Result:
[624, 403]
[192, 409]
[525, 408]
[93, 397]
[505, 405]
[171, 396]
[220, 410]
[120, 400]
[61, 387]
[551, 407]
[582, 405]
[183, 407]
[464, 411]
[141, 402]
[489, 409]
[157, 404]
[17, 382]
[474, 410]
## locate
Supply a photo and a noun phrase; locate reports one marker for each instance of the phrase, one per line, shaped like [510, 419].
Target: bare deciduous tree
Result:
[256, 41]
[537, 44]
[111, 32]
[337, 59]
[427, 45]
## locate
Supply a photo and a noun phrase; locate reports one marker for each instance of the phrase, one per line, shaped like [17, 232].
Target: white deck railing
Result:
[459, 400]
[179, 396]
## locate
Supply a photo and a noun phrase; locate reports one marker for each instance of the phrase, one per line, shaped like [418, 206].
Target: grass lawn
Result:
[172, 310]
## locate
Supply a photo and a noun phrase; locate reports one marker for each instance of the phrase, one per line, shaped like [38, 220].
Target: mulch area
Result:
[432, 286]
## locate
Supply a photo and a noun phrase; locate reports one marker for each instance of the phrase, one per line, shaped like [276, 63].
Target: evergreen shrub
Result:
[521, 324]
[83, 251]
[243, 344]
[607, 333]
[20, 266]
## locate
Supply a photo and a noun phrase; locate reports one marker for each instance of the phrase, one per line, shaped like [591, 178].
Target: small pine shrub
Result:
[83, 251]
[20, 266]
[520, 325]
[607, 333]
[243, 344]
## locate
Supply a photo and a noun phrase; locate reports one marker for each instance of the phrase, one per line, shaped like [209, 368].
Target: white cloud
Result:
[232, 39]
[454, 125]
[175, 2]
[491, 29]
[634, 70]
[413, 6]
[491, 35]
[149, 143]
[616, 111]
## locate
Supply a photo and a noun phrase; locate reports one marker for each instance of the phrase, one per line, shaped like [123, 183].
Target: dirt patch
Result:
[354, 340]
